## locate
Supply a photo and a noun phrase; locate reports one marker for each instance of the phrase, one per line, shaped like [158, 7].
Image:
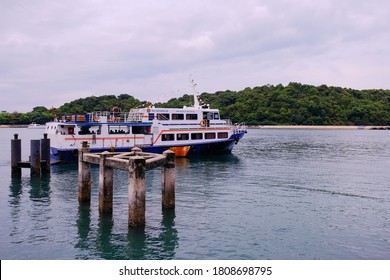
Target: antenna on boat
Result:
[193, 85]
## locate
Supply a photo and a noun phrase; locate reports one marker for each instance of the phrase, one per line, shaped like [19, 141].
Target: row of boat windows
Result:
[173, 116]
[113, 129]
[193, 136]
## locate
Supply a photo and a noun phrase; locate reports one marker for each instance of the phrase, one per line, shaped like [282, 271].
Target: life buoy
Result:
[202, 123]
[96, 118]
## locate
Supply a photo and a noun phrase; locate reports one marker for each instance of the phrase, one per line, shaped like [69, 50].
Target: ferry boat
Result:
[186, 131]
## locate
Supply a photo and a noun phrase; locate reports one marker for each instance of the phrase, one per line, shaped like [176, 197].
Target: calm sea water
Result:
[281, 194]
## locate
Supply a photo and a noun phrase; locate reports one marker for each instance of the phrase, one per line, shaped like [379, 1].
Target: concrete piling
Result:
[105, 184]
[16, 156]
[135, 163]
[168, 181]
[84, 176]
[137, 191]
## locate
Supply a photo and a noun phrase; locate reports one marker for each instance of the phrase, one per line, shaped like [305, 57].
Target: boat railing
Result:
[110, 116]
[239, 128]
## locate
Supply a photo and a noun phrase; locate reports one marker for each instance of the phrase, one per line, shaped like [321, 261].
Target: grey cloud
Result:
[52, 52]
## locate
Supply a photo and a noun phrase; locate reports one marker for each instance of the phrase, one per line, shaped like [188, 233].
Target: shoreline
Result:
[13, 125]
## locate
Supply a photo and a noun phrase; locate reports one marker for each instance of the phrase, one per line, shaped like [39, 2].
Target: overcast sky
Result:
[52, 52]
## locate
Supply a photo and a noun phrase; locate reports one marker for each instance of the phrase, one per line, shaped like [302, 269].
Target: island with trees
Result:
[294, 104]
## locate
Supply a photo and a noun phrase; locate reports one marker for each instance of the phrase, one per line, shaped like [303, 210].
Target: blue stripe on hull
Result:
[219, 147]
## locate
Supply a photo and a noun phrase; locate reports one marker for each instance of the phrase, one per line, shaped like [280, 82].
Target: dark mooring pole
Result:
[35, 157]
[45, 153]
[16, 156]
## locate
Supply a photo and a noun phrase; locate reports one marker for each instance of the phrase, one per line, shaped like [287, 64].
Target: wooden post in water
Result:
[137, 191]
[16, 156]
[45, 153]
[105, 184]
[35, 158]
[168, 180]
[84, 176]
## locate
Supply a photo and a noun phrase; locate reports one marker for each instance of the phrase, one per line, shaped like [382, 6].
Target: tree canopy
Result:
[294, 104]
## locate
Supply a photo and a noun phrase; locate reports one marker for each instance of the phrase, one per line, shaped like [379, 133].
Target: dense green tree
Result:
[294, 104]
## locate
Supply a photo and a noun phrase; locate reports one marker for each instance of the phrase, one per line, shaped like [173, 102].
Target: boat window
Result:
[196, 136]
[163, 117]
[168, 137]
[151, 116]
[209, 135]
[191, 116]
[85, 130]
[140, 129]
[117, 129]
[208, 115]
[222, 135]
[177, 116]
[216, 116]
[182, 136]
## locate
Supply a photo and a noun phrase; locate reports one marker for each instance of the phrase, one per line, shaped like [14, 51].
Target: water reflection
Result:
[83, 225]
[105, 237]
[136, 244]
[219, 158]
[40, 187]
[168, 235]
[28, 222]
[16, 190]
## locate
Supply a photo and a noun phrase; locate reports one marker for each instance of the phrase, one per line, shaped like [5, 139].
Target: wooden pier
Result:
[135, 163]
[39, 161]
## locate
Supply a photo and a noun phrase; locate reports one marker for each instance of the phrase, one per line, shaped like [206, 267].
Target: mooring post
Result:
[137, 191]
[168, 180]
[84, 176]
[45, 153]
[35, 158]
[16, 156]
[105, 184]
